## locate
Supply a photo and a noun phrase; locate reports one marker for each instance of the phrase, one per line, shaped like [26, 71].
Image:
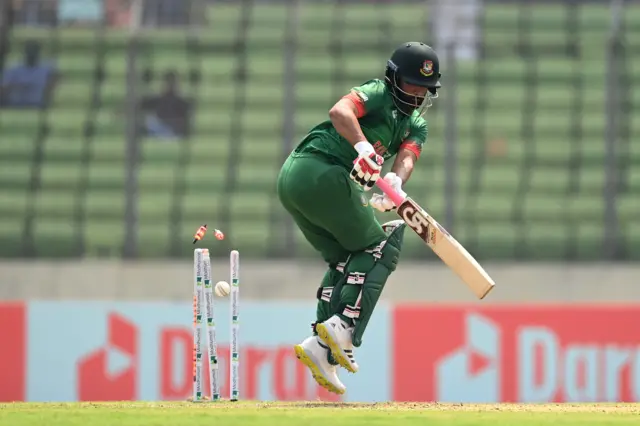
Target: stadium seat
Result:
[530, 155]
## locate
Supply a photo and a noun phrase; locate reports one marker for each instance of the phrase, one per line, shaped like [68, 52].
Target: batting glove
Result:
[381, 201]
[366, 168]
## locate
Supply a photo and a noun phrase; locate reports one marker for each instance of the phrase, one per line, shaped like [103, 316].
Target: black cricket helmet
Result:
[417, 64]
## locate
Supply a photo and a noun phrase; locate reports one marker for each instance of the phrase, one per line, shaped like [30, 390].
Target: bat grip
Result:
[389, 191]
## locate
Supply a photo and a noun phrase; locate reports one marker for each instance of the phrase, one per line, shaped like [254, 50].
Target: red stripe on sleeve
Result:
[358, 102]
[413, 147]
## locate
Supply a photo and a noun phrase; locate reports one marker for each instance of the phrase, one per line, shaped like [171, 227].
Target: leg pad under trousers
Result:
[365, 274]
[331, 279]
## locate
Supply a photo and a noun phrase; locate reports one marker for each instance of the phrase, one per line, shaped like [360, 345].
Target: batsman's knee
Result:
[389, 254]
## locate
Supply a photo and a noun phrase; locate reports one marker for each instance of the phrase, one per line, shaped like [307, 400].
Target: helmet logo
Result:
[427, 69]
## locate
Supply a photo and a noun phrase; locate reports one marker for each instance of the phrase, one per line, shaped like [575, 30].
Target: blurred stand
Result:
[528, 157]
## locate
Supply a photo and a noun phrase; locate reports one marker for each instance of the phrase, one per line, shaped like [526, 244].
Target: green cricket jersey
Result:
[386, 128]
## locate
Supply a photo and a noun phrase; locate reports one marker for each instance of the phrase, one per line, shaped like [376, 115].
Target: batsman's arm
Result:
[410, 149]
[344, 116]
[404, 163]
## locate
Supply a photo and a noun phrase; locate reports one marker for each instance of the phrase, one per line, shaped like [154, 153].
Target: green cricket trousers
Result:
[330, 209]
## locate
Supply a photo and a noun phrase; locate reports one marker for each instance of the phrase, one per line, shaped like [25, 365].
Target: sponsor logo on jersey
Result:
[427, 69]
[379, 148]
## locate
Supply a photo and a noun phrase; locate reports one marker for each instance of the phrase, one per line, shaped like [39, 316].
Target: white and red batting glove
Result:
[381, 201]
[366, 168]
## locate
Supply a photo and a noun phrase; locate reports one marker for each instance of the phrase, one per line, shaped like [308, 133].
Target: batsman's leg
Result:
[356, 295]
[333, 207]
[312, 352]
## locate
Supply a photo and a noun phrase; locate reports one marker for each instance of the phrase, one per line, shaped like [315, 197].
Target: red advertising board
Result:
[123, 354]
[554, 353]
[13, 351]
[474, 353]
[289, 379]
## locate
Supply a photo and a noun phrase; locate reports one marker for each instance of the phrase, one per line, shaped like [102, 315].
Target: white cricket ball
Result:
[222, 289]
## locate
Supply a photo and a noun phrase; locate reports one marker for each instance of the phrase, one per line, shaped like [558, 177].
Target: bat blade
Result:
[448, 249]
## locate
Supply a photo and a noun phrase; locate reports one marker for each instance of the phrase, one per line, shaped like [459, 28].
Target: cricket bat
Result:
[448, 249]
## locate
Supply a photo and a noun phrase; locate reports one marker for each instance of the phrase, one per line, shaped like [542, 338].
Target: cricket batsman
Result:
[323, 183]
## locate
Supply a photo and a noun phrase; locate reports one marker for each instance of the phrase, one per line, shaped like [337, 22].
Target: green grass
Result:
[315, 413]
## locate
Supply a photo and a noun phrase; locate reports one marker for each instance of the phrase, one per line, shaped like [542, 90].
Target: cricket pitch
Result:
[245, 413]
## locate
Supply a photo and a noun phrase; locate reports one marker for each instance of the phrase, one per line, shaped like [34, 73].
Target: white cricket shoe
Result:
[314, 355]
[337, 335]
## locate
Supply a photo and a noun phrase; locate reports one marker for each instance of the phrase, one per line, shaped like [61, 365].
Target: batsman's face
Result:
[417, 97]
[417, 91]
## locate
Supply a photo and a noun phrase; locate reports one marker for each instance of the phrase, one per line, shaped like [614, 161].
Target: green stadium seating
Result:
[530, 170]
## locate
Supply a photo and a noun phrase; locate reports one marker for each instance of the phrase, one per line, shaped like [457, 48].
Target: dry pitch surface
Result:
[247, 413]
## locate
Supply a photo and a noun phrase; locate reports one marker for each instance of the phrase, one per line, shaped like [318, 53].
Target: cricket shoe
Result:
[314, 355]
[337, 336]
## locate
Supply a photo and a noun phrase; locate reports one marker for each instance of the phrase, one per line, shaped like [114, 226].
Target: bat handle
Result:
[389, 191]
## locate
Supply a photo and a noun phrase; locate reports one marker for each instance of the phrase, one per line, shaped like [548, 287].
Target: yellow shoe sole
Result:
[335, 349]
[315, 371]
